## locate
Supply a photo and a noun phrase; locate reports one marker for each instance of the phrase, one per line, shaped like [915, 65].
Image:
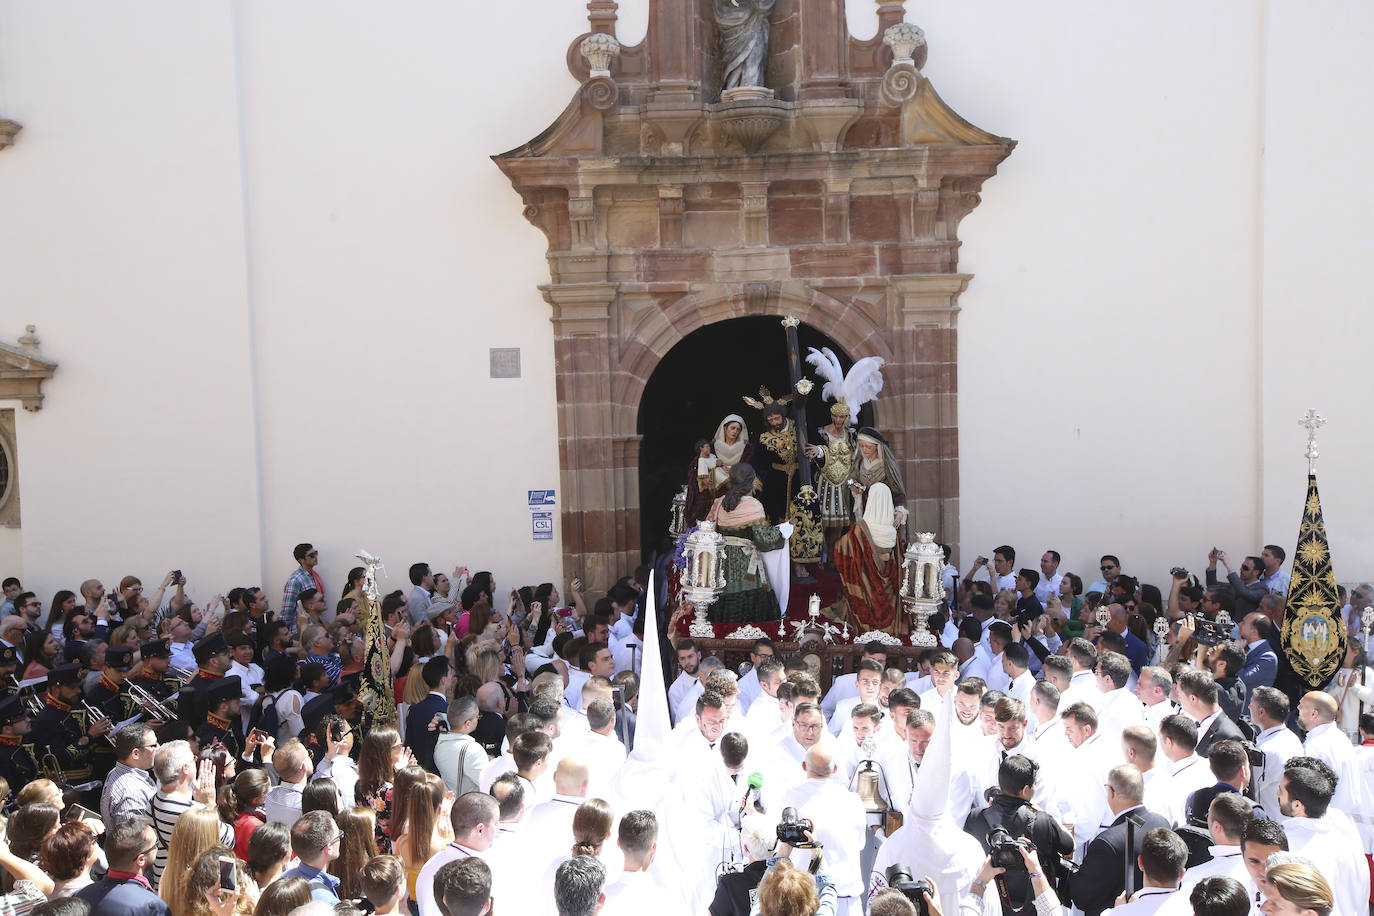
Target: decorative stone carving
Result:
[904, 38]
[751, 116]
[8, 130]
[743, 26]
[600, 49]
[23, 371]
[661, 208]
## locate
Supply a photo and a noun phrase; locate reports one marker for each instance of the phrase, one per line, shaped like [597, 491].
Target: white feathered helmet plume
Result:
[849, 391]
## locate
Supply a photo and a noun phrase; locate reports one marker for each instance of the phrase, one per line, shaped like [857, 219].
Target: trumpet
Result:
[185, 675]
[150, 704]
[29, 697]
[94, 715]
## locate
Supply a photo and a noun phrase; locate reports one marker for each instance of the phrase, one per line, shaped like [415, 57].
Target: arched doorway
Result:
[698, 382]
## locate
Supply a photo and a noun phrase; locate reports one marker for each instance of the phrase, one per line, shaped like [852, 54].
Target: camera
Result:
[917, 890]
[1006, 852]
[792, 829]
[1209, 632]
[1178, 572]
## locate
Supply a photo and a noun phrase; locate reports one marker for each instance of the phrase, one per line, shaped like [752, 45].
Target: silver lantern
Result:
[922, 590]
[703, 578]
[1162, 637]
[678, 524]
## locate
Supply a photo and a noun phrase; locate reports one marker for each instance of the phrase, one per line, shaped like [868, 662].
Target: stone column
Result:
[921, 387]
[825, 49]
[586, 442]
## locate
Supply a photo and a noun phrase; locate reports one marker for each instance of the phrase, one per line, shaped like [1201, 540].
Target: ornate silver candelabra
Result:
[704, 578]
[922, 591]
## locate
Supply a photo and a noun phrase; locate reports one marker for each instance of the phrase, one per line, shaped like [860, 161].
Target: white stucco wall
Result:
[268, 248]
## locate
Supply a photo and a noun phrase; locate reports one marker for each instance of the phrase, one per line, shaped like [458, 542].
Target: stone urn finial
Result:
[29, 342]
[904, 38]
[599, 49]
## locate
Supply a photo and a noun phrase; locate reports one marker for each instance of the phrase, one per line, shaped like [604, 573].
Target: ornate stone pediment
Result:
[23, 372]
[834, 192]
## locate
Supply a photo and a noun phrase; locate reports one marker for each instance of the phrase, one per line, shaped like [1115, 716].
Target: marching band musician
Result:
[156, 676]
[17, 763]
[212, 657]
[223, 725]
[109, 694]
[65, 732]
[9, 670]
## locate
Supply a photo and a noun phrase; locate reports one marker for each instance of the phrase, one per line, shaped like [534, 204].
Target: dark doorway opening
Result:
[699, 382]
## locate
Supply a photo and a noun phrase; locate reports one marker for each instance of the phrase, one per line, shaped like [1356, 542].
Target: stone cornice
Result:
[23, 372]
[8, 131]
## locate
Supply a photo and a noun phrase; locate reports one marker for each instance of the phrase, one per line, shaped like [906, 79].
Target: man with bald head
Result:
[839, 821]
[548, 825]
[1326, 742]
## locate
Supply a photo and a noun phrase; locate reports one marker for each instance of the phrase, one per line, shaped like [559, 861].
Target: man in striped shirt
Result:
[183, 783]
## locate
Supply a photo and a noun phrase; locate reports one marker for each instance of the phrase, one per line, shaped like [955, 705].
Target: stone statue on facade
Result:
[743, 26]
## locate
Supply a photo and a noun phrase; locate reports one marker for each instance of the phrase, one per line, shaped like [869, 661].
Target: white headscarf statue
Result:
[880, 517]
[929, 841]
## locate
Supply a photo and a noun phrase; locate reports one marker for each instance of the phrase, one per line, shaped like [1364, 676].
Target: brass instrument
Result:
[33, 703]
[52, 769]
[150, 704]
[94, 715]
[185, 675]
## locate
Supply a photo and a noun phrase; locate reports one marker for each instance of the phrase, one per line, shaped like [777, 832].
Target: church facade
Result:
[286, 294]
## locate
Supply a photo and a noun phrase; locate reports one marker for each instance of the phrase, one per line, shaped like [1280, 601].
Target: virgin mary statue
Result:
[743, 26]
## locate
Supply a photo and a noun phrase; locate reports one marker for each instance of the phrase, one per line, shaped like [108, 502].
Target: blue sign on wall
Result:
[541, 526]
[541, 498]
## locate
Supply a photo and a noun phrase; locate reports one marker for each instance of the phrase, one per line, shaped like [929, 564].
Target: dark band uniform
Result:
[17, 763]
[164, 687]
[228, 732]
[204, 650]
[61, 730]
[109, 696]
[9, 671]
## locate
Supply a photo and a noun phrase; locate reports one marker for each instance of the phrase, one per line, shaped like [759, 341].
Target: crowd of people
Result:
[1057, 750]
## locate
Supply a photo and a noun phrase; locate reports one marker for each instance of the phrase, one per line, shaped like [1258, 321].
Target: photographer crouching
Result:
[787, 890]
[1011, 814]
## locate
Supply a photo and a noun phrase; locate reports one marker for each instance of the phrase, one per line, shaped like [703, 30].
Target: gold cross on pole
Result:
[1312, 421]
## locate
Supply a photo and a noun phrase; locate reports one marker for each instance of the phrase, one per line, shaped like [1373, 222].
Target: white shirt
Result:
[1048, 585]
[681, 684]
[547, 830]
[1145, 902]
[424, 883]
[842, 714]
[1328, 743]
[283, 803]
[1117, 710]
[1278, 744]
[763, 718]
[1186, 776]
[628, 654]
[344, 772]
[686, 709]
[1082, 689]
[1020, 686]
[495, 770]
[749, 689]
[604, 756]
[573, 694]
[997, 675]
[635, 893]
[183, 656]
[248, 675]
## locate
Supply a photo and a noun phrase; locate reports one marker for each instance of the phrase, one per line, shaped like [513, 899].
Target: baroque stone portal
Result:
[665, 208]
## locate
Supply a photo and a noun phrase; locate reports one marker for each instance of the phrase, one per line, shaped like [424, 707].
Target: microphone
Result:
[755, 783]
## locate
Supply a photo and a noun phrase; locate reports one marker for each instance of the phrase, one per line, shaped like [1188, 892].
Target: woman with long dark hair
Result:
[740, 519]
[41, 649]
[356, 846]
[62, 603]
[379, 757]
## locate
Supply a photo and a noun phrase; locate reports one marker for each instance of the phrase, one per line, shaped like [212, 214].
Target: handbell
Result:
[868, 788]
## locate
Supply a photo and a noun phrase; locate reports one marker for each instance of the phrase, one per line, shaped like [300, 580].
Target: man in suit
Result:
[1261, 661]
[1101, 878]
[422, 720]
[1198, 695]
[129, 846]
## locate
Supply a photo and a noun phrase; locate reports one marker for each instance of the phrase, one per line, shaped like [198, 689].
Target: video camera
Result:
[1209, 632]
[1006, 851]
[917, 890]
